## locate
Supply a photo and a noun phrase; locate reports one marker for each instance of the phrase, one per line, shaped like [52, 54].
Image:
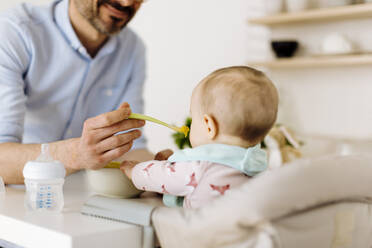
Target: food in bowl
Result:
[111, 182]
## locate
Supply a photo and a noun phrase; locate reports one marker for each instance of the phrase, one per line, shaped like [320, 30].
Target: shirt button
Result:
[81, 50]
[109, 92]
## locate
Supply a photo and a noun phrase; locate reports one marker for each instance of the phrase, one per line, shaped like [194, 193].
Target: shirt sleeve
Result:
[180, 178]
[14, 61]
[134, 91]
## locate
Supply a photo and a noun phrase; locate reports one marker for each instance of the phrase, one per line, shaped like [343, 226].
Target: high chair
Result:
[310, 203]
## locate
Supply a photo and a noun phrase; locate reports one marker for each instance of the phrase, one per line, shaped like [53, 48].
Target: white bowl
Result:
[336, 43]
[112, 183]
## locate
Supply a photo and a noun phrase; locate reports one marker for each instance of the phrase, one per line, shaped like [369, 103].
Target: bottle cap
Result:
[44, 167]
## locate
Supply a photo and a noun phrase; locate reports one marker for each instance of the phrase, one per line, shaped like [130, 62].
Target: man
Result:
[65, 69]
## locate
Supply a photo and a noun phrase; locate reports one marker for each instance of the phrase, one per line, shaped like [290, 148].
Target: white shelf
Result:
[322, 61]
[356, 11]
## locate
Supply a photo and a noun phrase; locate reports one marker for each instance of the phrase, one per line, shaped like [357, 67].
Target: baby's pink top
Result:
[198, 181]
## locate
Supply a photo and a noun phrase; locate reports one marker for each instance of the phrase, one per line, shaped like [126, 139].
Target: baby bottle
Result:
[44, 180]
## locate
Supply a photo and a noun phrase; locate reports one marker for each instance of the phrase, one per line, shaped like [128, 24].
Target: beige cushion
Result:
[247, 216]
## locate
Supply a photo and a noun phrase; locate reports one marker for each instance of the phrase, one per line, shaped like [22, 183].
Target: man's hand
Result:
[99, 145]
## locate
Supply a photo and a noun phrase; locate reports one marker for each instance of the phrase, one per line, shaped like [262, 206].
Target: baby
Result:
[232, 110]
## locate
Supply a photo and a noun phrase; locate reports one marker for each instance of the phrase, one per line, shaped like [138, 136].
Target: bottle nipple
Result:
[45, 154]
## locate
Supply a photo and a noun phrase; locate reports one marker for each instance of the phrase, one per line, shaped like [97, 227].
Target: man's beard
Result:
[114, 28]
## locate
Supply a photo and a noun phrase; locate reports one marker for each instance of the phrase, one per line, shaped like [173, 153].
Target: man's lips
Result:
[115, 12]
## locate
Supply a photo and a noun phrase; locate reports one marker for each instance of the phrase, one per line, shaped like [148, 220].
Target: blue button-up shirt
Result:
[49, 85]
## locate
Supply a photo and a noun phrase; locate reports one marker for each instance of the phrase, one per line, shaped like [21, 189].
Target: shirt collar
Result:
[250, 161]
[63, 22]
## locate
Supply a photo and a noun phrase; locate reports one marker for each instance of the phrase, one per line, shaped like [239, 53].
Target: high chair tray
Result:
[134, 211]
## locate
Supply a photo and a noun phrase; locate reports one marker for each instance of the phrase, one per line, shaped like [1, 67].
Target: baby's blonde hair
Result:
[243, 101]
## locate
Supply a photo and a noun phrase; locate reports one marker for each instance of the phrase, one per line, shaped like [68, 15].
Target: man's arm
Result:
[14, 61]
[13, 157]
[97, 146]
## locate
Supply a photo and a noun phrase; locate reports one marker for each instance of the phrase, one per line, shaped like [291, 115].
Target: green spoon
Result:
[184, 129]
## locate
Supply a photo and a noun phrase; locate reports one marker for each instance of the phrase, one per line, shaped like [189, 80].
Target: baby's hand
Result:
[163, 155]
[127, 167]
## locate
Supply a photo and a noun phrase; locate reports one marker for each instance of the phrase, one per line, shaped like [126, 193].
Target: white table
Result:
[68, 229]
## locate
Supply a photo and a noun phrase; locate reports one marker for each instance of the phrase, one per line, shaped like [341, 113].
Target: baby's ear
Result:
[211, 126]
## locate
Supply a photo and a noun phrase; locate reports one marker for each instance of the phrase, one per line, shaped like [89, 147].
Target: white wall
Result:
[187, 40]
[8, 4]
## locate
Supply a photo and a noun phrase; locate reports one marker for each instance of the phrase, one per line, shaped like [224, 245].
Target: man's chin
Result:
[109, 29]
[115, 29]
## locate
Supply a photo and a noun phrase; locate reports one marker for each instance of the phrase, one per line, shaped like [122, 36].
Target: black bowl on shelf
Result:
[284, 48]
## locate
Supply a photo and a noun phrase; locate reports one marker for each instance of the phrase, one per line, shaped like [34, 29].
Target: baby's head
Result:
[235, 106]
